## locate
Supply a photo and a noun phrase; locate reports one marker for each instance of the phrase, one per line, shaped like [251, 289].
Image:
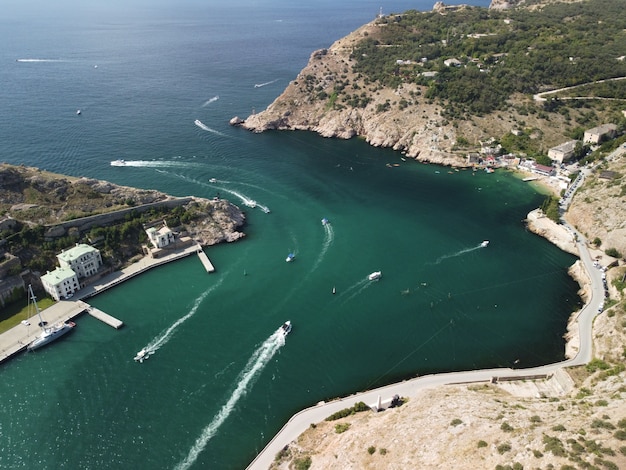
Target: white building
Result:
[60, 283]
[160, 237]
[598, 134]
[564, 152]
[83, 259]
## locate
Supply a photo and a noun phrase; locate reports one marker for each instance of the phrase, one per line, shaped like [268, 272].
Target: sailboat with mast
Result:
[48, 333]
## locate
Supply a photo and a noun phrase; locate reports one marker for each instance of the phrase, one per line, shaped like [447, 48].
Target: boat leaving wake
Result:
[209, 101]
[329, 237]
[462, 252]
[204, 127]
[154, 345]
[257, 362]
[259, 85]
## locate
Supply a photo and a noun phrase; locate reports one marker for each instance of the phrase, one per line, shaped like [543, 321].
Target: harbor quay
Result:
[20, 336]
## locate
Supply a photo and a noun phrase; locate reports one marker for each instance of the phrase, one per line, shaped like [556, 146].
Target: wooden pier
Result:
[205, 260]
[104, 317]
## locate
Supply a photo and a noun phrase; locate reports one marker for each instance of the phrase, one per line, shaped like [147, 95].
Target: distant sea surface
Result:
[156, 84]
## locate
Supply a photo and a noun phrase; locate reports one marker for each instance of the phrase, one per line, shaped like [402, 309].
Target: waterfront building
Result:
[60, 283]
[83, 259]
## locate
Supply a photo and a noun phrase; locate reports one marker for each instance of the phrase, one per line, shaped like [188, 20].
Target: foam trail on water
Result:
[38, 60]
[204, 127]
[257, 362]
[259, 85]
[154, 345]
[209, 101]
[159, 164]
[329, 236]
[458, 253]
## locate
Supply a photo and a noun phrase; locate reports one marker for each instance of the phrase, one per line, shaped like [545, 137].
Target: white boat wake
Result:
[259, 85]
[154, 345]
[246, 201]
[355, 289]
[329, 237]
[461, 252]
[38, 60]
[204, 127]
[257, 362]
[209, 101]
[154, 164]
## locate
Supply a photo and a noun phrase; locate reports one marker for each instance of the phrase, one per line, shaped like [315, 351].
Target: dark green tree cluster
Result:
[500, 52]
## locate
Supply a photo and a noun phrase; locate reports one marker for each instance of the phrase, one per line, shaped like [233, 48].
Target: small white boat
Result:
[325, 221]
[265, 209]
[286, 328]
[78, 111]
[334, 290]
[118, 163]
[375, 275]
[290, 257]
[212, 180]
[141, 355]
[484, 243]
[250, 203]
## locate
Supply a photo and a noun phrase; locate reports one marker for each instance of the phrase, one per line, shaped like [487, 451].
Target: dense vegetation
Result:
[499, 53]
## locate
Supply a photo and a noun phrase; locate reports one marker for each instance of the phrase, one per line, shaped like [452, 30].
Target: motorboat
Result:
[250, 203]
[375, 276]
[285, 329]
[484, 243]
[48, 333]
[212, 180]
[118, 163]
[290, 257]
[325, 221]
[265, 209]
[78, 111]
[141, 355]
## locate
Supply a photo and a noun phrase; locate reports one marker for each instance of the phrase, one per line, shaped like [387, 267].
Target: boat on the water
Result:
[118, 163]
[375, 275]
[290, 257]
[212, 180]
[334, 290]
[484, 243]
[141, 355]
[286, 328]
[325, 221]
[265, 209]
[48, 333]
[78, 111]
[250, 203]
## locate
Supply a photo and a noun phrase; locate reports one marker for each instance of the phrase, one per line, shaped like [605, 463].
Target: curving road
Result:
[302, 420]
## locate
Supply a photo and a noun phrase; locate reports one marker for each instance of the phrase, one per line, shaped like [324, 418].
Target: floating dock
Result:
[205, 260]
[105, 317]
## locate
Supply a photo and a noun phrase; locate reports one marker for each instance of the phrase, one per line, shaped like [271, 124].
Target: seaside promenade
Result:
[302, 420]
[17, 338]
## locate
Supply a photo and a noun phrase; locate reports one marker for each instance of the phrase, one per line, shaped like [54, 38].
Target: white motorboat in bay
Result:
[142, 355]
[48, 333]
[286, 328]
[118, 163]
[290, 257]
[484, 243]
[325, 221]
[375, 276]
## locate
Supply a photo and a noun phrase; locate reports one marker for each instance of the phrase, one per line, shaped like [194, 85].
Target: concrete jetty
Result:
[205, 260]
[103, 316]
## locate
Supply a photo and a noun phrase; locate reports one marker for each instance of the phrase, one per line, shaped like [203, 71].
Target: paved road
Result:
[301, 421]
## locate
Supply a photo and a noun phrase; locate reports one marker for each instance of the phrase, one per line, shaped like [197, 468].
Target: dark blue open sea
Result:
[157, 83]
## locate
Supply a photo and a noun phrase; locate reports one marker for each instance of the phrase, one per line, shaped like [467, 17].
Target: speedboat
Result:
[141, 355]
[485, 243]
[118, 163]
[325, 221]
[78, 111]
[375, 275]
[286, 328]
[290, 257]
[212, 180]
[250, 203]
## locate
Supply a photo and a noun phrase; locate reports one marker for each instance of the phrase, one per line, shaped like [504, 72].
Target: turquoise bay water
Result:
[220, 382]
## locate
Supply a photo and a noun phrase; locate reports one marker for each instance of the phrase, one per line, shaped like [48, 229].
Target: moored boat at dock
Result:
[48, 333]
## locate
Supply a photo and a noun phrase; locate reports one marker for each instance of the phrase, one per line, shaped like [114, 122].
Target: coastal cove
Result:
[220, 384]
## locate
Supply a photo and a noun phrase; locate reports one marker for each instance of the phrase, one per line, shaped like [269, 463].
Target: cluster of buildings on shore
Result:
[490, 155]
[82, 264]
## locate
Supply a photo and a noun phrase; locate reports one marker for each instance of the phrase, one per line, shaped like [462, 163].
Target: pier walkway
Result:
[102, 316]
[205, 260]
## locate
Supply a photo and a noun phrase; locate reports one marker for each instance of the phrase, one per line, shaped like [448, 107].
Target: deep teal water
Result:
[220, 383]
